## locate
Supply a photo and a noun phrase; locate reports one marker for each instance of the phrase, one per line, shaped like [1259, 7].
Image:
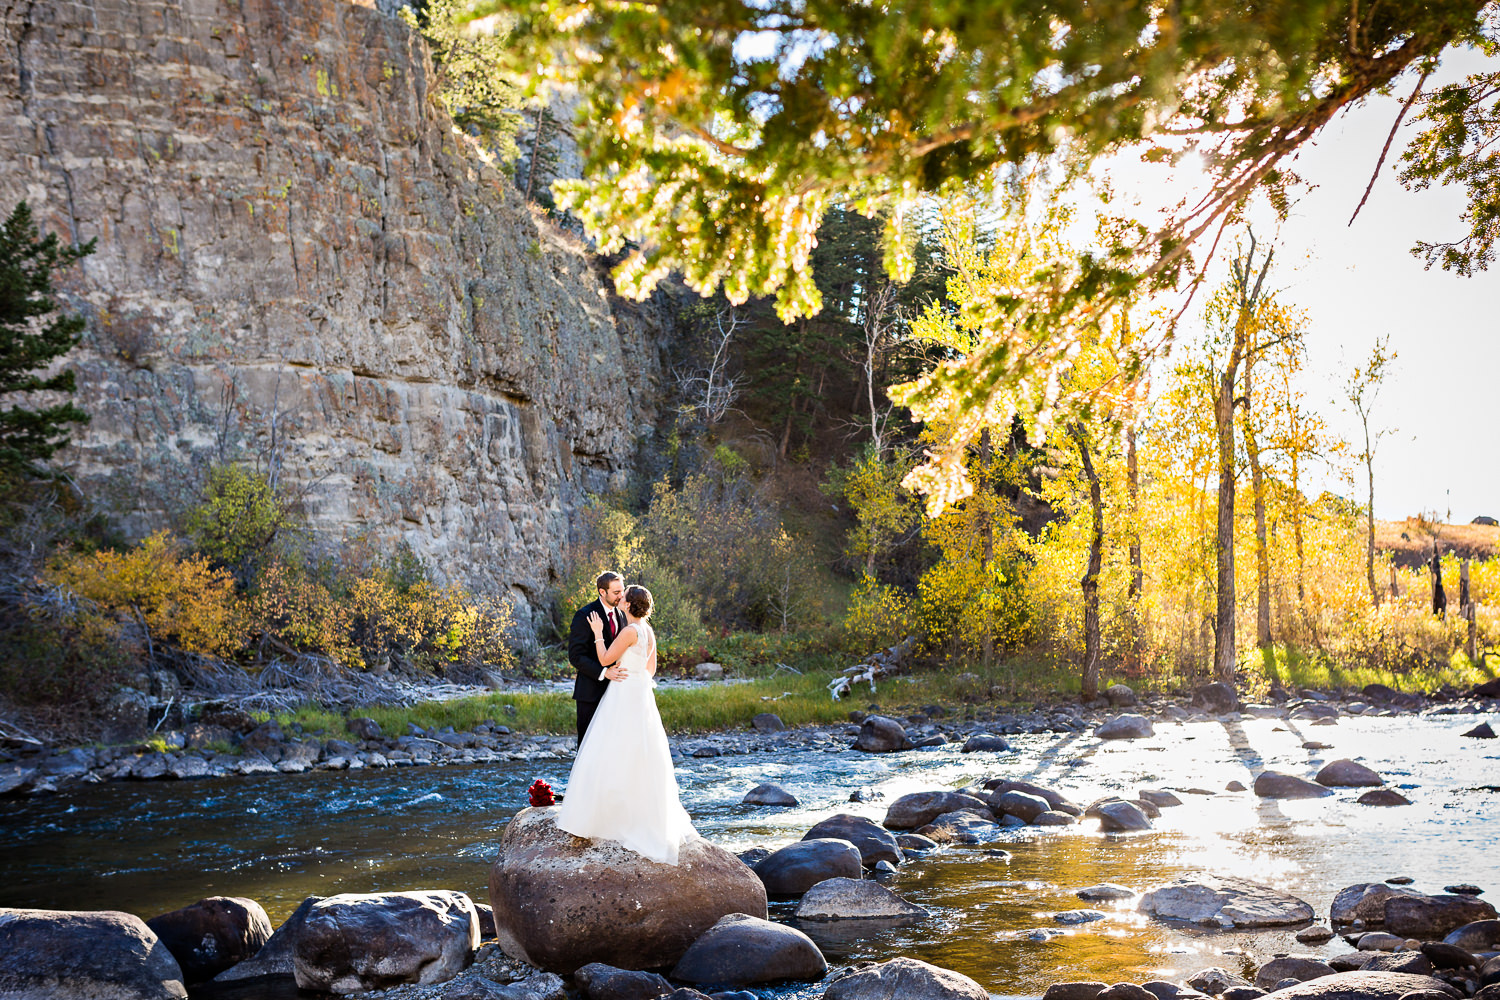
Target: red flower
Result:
[540, 794]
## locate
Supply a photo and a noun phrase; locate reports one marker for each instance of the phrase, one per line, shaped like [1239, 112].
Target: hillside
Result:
[1411, 540]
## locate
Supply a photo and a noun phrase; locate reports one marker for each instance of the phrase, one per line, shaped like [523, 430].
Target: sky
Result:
[1360, 282]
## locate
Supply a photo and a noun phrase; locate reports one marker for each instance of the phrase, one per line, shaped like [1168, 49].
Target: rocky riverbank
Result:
[224, 741]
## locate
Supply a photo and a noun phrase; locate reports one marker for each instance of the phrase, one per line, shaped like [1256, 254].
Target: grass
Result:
[1295, 668]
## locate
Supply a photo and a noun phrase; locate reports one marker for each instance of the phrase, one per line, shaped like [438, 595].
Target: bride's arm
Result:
[623, 641]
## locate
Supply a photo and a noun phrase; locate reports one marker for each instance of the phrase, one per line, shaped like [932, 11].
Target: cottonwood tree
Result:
[1361, 390]
[717, 134]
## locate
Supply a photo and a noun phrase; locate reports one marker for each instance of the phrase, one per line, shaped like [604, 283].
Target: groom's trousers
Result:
[586, 710]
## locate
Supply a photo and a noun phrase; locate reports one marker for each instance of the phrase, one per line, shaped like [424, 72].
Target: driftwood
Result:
[875, 665]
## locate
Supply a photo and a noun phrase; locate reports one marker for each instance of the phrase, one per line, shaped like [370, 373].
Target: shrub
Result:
[176, 595]
[62, 658]
[239, 518]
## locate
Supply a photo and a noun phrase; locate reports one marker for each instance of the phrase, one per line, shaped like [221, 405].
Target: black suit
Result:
[589, 687]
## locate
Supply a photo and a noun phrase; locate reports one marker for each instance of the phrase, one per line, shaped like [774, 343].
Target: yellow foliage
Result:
[179, 596]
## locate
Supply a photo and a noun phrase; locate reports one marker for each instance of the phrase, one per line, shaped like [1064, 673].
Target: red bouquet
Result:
[540, 794]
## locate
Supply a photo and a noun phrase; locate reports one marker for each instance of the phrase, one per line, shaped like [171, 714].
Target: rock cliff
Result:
[299, 259]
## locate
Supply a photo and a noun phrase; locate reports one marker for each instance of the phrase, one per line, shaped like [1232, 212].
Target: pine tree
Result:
[32, 334]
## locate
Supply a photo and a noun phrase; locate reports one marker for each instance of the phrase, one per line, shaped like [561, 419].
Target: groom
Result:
[593, 678]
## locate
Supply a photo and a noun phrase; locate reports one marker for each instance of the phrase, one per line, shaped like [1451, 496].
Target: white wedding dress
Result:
[622, 787]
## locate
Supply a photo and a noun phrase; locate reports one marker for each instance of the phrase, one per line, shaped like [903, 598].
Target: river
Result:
[148, 847]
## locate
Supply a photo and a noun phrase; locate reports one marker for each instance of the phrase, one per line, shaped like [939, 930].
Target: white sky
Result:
[1357, 283]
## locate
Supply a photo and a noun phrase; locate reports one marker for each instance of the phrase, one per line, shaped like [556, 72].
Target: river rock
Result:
[874, 842]
[740, 948]
[275, 958]
[854, 899]
[962, 827]
[1448, 956]
[1079, 990]
[1054, 799]
[1365, 901]
[1464, 889]
[1483, 731]
[1481, 935]
[920, 808]
[1379, 941]
[1276, 785]
[1120, 695]
[365, 728]
[562, 902]
[915, 842]
[1125, 727]
[1316, 934]
[1243, 993]
[1126, 991]
[1053, 817]
[1020, 805]
[16, 778]
[1224, 901]
[906, 979]
[1159, 797]
[985, 742]
[1298, 967]
[1215, 980]
[1413, 962]
[878, 734]
[1431, 917]
[1348, 774]
[1119, 816]
[84, 955]
[1216, 698]
[798, 867]
[768, 722]
[769, 795]
[1105, 890]
[1078, 916]
[352, 942]
[1383, 797]
[1363, 986]
[605, 982]
[213, 934]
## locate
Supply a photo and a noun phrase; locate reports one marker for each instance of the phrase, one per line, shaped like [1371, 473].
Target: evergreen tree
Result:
[32, 334]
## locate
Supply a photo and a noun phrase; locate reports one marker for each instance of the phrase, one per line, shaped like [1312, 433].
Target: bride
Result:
[622, 787]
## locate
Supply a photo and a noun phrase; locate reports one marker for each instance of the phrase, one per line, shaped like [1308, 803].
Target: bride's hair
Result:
[638, 600]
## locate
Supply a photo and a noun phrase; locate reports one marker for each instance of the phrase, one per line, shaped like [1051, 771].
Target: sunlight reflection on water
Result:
[151, 847]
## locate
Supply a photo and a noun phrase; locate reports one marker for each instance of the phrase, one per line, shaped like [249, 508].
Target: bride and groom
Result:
[622, 786]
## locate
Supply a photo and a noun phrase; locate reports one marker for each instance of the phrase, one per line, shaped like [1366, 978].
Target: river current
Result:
[149, 847]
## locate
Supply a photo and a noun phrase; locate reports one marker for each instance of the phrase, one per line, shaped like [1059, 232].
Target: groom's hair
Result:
[606, 578]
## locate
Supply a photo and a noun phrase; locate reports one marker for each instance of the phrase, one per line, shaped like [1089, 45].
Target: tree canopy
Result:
[717, 133]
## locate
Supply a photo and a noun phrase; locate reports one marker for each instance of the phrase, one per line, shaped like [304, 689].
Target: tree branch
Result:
[1387, 147]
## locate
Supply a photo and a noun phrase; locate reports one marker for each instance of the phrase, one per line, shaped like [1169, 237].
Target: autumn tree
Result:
[1361, 390]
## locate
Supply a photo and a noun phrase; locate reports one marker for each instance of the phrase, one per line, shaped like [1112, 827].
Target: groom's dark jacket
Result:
[588, 686]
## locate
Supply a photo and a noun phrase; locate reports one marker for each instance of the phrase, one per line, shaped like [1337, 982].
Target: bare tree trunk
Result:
[1395, 590]
[1370, 523]
[1224, 585]
[1297, 534]
[1439, 595]
[1463, 582]
[1258, 493]
[1137, 574]
[1090, 582]
[987, 538]
[536, 148]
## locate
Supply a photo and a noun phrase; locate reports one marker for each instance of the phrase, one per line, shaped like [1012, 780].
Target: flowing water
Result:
[151, 847]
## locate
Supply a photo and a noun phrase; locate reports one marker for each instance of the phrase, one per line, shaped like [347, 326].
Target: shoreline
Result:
[260, 748]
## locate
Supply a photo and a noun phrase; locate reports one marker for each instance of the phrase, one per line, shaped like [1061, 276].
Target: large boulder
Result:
[352, 943]
[1348, 774]
[875, 843]
[1216, 698]
[1277, 785]
[1364, 986]
[213, 934]
[855, 899]
[878, 734]
[1432, 917]
[920, 808]
[1299, 967]
[1126, 727]
[906, 979]
[1224, 901]
[275, 958]
[88, 955]
[562, 902]
[740, 948]
[1020, 805]
[1119, 816]
[1365, 901]
[798, 867]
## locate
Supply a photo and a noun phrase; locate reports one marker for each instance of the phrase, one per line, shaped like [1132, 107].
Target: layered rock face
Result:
[299, 261]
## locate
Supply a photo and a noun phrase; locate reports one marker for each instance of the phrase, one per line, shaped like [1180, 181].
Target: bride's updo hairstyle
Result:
[638, 600]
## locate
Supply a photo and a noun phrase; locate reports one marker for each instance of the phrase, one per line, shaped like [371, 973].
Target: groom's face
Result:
[611, 595]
